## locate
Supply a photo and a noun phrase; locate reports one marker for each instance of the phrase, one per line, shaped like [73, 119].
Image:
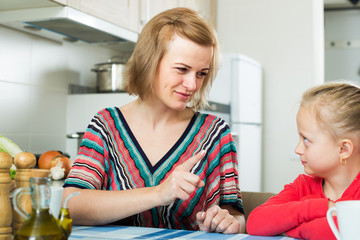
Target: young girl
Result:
[328, 123]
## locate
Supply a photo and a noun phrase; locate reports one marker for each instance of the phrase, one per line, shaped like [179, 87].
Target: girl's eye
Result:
[306, 140]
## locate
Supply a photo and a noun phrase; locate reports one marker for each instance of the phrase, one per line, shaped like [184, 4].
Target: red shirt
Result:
[299, 210]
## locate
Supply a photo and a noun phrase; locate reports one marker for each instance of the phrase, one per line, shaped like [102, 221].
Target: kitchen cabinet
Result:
[149, 8]
[129, 14]
[62, 2]
[124, 13]
[134, 14]
[25, 4]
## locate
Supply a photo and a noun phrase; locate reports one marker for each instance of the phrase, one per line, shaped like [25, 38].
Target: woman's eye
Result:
[182, 69]
[306, 140]
[202, 74]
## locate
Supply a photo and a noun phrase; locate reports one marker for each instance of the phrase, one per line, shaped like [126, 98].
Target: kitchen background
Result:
[297, 43]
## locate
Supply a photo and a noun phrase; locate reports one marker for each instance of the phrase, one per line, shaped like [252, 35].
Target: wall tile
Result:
[48, 114]
[14, 56]
[15, 111]
[22, 140]
[85, 59]
[48, 64]
[34, 78]
[41, 143]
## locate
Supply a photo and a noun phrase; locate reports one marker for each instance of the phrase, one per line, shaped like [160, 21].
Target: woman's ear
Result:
[346, 148]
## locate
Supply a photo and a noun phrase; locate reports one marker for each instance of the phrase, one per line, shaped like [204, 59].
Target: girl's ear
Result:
[346, 148]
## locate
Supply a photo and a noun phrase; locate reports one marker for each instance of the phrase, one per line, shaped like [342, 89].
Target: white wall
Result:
[342, 61]
[286, 37]
[34, 78]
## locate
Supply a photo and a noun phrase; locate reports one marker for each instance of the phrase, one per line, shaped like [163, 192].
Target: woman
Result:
[168, 165]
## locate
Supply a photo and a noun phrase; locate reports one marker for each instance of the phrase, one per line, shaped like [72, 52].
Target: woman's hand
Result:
[216, 219]
[181, 182]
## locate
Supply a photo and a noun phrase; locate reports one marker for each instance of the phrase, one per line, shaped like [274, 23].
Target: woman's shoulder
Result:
[108, 115]
[210, 117]
[210, 123]
[107, 110]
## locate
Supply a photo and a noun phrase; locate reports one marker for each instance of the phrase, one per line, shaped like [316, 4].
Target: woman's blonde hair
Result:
[153, 42]
[336, 106]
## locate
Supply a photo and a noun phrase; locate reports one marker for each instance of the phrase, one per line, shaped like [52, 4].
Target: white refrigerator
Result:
[242, 77]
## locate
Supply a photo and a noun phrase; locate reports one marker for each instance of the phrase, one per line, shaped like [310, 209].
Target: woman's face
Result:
[181, 72]
[318, 151]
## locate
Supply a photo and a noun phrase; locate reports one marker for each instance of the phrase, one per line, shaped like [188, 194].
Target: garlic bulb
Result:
[57, 172]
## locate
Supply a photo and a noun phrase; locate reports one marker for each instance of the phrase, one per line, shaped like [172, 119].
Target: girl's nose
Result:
[299, 148]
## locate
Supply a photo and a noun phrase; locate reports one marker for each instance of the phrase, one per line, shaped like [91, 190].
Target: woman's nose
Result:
[190, 82]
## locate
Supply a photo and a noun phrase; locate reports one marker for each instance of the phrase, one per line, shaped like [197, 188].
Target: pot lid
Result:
[107, 65]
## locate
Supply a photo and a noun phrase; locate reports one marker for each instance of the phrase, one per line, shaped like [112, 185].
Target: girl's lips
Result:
[303, 162]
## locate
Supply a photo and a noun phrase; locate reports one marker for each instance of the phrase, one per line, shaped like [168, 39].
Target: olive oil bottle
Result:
[40, 224]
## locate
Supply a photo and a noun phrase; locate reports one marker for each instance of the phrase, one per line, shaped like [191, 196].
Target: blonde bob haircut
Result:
[336, 107]
[152, 44]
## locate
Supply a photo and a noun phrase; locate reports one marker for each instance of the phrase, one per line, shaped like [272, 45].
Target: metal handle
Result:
[75, 135]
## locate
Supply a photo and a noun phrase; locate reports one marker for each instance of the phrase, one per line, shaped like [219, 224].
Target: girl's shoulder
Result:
[307, 179]
[305, 185]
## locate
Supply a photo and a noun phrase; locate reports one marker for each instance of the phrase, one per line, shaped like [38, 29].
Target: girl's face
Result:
[318, 151]
[181, 72]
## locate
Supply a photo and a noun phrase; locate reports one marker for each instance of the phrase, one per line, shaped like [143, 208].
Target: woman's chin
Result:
[179, 106]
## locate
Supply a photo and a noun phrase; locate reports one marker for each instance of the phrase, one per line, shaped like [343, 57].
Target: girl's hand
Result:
[216, 219]
[181, 182]
[331, 204]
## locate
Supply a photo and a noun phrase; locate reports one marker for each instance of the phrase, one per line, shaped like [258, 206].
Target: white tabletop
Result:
[125, 232]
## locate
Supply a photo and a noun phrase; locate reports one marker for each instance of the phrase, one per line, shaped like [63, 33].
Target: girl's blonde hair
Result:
[153, 42]
[336, 106]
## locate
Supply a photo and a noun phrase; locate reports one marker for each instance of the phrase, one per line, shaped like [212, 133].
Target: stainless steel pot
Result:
[110, 76]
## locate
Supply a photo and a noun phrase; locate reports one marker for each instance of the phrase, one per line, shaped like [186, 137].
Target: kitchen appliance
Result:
[241, 76]
[59, 23]
[109, 75]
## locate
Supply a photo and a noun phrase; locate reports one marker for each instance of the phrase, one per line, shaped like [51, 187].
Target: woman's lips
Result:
[303, 162]
[183, 95]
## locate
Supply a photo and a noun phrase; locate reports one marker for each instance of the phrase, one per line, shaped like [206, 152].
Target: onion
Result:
[45, 159]
[66, 163]
[24, 160]
[5, 160]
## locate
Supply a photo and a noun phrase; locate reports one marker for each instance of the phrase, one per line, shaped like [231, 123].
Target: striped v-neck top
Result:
[110, 158]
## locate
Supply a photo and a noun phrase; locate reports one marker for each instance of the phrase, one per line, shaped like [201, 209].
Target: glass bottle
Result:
[40, 224]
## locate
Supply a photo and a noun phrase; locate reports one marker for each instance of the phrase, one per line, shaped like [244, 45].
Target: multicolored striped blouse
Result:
[110, 158]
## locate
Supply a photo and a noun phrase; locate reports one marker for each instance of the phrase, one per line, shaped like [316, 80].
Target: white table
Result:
[125, 232]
